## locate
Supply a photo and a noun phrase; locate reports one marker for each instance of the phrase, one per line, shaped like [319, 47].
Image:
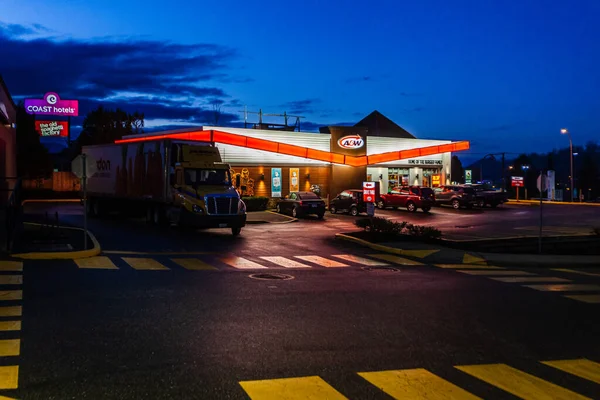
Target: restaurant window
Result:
[397, 177]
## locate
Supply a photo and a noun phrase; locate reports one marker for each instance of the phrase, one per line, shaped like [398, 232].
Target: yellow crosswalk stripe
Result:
[586, 298]
[10, 325]
[98, 262]
[519, 383]
[467, 266]
[416, 384]
[285, 262]
[11, 279]
[14, 311]
[395, 259]
[193, 264]
[575, 271]
[582, 368]
[242, 263]
[10, 347]
[418, 253]
[471, 259]
[11, 295]
[497, 273]
[146, 264]
[359, 260]
[530, 279]
[568, 287]
[9, 377]
[11, 266]
[309, 387]
[322, 261]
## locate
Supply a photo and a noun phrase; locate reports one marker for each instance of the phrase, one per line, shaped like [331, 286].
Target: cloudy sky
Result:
[506, 75]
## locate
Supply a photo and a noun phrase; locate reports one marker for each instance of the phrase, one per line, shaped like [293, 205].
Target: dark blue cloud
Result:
[161, 79]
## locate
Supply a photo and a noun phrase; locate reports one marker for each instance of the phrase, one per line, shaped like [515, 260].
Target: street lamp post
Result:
[565, 131]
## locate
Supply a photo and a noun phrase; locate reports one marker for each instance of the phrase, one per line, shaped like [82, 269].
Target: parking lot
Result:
[509, 220]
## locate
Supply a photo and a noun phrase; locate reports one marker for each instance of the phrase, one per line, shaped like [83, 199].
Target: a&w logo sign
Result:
[351, 142]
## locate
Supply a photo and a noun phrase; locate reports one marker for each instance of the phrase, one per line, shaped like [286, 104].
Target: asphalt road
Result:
[127, 330]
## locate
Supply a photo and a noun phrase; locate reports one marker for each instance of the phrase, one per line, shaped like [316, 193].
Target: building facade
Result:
[272, 163]
[8, 146]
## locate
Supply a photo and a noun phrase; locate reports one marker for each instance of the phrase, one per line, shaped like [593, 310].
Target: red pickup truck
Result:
[411, 197]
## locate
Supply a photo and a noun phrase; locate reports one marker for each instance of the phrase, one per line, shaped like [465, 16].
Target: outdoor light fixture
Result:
[308, 177]
[262, 177]
[380, 176]
[565, 131]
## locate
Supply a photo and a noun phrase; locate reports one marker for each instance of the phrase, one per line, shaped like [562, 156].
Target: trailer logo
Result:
[351, 142]
[103, 165]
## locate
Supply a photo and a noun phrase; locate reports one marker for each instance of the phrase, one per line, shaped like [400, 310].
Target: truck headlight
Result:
[197, 209]
[241, 207]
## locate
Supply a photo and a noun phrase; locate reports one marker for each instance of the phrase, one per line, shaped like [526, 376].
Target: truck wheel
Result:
[236, 231]
[381, 204]
[278, 209]
[353, 211]
[295, 212]
[410, 206]
[455, 204]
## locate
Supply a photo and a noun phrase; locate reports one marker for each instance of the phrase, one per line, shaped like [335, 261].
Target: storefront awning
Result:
[215, 136]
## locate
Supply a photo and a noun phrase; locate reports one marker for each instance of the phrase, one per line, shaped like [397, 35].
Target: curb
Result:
[374, 246]
[562, 203]
[292, 219]
[523, 260]
[63, 255]
[50, 201]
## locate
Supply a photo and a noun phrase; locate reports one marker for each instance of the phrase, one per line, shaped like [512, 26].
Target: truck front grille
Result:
[221, 205]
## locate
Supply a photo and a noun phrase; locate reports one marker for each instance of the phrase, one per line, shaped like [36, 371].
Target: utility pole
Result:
[503, 174]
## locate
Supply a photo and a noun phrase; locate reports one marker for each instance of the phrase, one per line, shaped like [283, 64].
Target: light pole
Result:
[525, 168]
[565, 131]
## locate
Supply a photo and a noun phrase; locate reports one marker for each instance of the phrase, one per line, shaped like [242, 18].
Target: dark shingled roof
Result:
[380, 125]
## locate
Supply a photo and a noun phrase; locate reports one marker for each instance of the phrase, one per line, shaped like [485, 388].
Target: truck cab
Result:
[204, 194]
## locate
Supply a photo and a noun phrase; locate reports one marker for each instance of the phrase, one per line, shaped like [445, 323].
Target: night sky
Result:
[506, 75]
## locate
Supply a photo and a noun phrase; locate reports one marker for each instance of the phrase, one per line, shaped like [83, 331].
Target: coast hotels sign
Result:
[51, 104]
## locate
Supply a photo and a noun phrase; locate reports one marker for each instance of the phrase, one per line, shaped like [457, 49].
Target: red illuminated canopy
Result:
[298, 151]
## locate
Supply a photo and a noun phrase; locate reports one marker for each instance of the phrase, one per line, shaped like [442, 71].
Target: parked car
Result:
[455, 195]
[302, 203]
[350, 201]
[411, 197]
[489, 197]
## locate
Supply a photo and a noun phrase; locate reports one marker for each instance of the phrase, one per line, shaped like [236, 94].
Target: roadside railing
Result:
[10, 211]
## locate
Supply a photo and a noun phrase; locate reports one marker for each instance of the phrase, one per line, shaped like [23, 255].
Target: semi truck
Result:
[170, 182]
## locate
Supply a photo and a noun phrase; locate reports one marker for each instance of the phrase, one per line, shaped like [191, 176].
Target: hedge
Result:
[256, 203]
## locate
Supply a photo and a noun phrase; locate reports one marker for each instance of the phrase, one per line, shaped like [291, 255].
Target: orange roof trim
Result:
[303, 152]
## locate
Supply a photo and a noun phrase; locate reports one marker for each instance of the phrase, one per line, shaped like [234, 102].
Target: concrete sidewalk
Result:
[436, 254]
[268, 217]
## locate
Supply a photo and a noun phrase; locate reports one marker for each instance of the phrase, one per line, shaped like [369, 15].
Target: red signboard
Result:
[517, 181]
[52, 128]
[436, 180]
[369, 192]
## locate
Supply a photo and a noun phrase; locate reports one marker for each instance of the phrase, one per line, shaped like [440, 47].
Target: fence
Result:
[10, 212]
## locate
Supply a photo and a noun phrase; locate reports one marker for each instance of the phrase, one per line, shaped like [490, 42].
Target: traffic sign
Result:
[517, 181]
[542, 182]
[78, 163]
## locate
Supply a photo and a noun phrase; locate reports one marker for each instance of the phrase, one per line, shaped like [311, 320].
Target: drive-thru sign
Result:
[369, 190]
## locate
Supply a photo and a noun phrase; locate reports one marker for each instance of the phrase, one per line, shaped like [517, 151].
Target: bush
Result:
[379, 225]
[256, 203]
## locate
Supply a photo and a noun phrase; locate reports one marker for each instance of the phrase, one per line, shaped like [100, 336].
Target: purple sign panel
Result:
[51, 104]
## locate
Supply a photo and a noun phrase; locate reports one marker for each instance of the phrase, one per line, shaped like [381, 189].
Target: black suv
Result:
[350, 201]
[456, 196]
